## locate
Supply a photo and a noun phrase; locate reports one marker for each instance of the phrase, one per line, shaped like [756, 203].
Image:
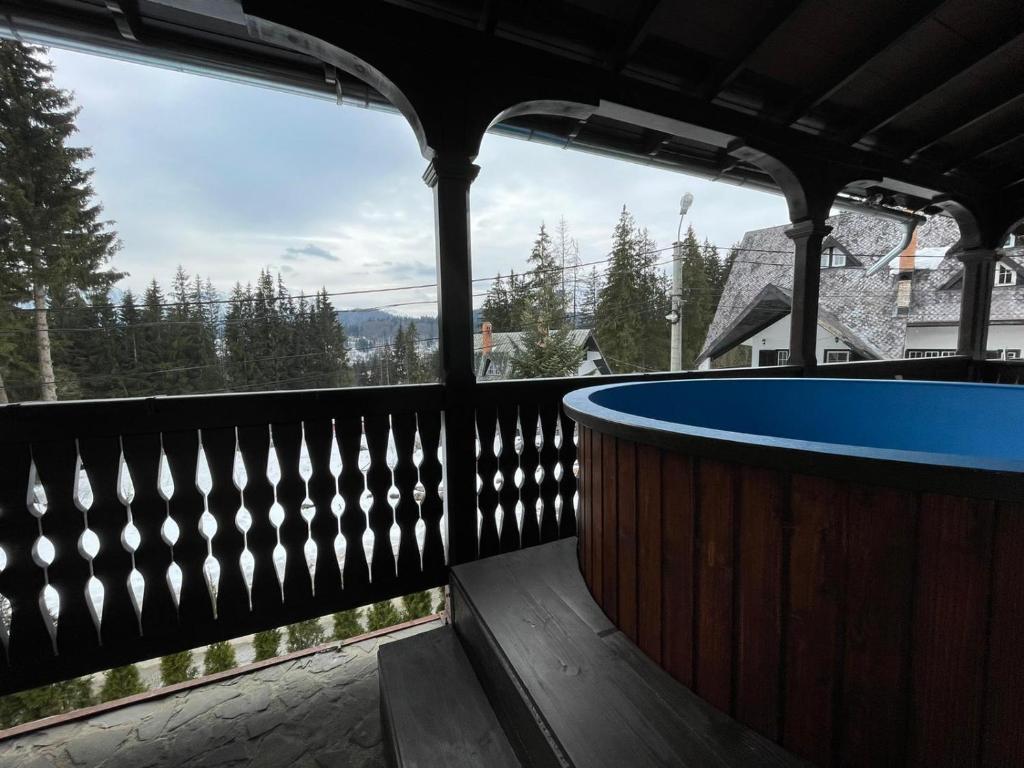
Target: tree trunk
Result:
[48, 389]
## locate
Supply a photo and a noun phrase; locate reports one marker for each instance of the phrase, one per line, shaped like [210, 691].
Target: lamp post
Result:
[675, 315]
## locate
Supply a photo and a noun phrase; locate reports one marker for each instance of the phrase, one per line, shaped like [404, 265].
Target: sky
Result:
[225, 179]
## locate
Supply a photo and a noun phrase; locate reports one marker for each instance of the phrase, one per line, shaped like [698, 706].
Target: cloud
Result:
[315, 251]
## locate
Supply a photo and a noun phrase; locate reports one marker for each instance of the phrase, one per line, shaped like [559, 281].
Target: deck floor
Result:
[317, 710]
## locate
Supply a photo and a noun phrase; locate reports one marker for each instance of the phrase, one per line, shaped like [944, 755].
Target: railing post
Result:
[976, 301]
[807, 236]
[450, 177]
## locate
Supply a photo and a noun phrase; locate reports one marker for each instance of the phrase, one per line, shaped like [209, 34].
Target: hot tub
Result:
[833, 562]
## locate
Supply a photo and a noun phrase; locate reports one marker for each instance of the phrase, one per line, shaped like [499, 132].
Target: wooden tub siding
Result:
[856, 625]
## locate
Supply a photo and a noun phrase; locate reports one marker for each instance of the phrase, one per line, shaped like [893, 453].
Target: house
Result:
[876, 302]
[504, 344]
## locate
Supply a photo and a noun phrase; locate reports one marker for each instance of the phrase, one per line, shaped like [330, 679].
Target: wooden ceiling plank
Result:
[861, 60]
[879, 120]
[733, 64]
[954, 159]
[635, 33]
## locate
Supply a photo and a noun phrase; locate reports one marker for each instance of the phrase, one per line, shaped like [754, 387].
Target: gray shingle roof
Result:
[865, 305]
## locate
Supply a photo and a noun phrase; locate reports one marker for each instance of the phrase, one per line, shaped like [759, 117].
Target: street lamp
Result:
[675, 316]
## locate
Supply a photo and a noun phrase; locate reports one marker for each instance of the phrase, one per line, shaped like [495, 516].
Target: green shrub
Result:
[177, 668]
[267, 644]
[416, 605]
[120, 682]
[37, 703]
[220, 657]
[305, 634]
[382, 615]
[346, 624]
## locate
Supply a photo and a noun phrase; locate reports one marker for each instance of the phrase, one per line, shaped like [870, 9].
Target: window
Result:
[1002, 354]
[837, 355]
[1005, 275]
[773, 357]
[919, 353]
[832, 257]
[783, 356]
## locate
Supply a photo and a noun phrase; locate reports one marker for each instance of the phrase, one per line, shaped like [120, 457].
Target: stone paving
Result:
[318, 710]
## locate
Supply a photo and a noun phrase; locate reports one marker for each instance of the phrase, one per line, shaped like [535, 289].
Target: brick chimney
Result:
[907, 255]
[486, 332]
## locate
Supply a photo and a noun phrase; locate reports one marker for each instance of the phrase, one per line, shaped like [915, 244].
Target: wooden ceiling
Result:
[928, 90]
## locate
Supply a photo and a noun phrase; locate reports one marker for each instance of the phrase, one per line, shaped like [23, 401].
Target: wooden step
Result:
[572, 690]
[433, 710]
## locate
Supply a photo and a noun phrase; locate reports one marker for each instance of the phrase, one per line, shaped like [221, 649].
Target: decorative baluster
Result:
[322, 491]
[508, 463]
[169, 531]
[207, 526]
[187, 506]
[5, 612]
[487, 469]
[280, 555]
[294, 531]
[533, 474]
[348, 433]
[130, 537]
[308, 511]
[261, 538]
[551, 463]
[337, 505]
[568, 487]
[428, 426]
[378, 482]
[394, 496]
[43, 555]
[405, 480]
[243, 521]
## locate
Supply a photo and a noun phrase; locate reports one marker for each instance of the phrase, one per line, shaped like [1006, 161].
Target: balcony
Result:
[135, 528]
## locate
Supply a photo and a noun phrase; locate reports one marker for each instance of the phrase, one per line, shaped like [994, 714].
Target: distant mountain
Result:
[378, 325]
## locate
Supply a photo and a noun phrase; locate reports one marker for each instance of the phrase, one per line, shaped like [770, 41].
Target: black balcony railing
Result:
[134, 528]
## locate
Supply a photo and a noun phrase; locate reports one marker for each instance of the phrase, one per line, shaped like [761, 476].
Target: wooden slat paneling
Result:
[814, 625]
[627, 538]
[952, 591]
[1003, 742]
[649, 552]
[760, 510]
[597, 517]
[609, 526]
[677, 565]
[881, 549]
[715, 509]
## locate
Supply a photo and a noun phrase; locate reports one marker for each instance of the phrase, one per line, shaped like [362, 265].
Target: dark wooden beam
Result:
[912, 17]
[950, 159]
[938, 77]
[489, 16]
[634, 33]
[736, 59]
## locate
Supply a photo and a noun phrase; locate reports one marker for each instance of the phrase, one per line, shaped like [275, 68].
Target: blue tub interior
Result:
[984, 422]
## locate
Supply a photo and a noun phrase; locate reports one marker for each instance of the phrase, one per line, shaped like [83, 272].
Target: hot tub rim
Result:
[912, 470]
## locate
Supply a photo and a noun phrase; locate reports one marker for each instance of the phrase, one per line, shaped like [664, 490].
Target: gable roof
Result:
[505, 343]
[860, 306]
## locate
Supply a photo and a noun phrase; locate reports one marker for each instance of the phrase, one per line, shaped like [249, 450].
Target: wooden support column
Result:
[976, 301]
[450, 177]
[807, 236]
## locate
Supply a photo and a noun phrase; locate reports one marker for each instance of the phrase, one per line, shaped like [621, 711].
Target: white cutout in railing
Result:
[88, 545]
[519, 476]
[337, 502]
[394, 495]
[307, 510]
[366, 497]
[576, 471]
[169, 531]
[130, 536]
[539, 472]
[43, 554]
[499, 477]
[207, 525]
[5, 612]
[243, 520]
[420, 492]
[479, 482]
[276, 513]
[444, 513]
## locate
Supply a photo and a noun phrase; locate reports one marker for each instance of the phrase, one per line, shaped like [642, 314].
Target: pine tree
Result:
[305, 634]
[53, 237]
[505, 303]
[346, 624]
[416, 605]
[177, 668]
[546, 347]
[121, 682]
[37, 703]
[441, 606]
[697, 291]
[266, 644]
[219, 657]
[382, 615]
